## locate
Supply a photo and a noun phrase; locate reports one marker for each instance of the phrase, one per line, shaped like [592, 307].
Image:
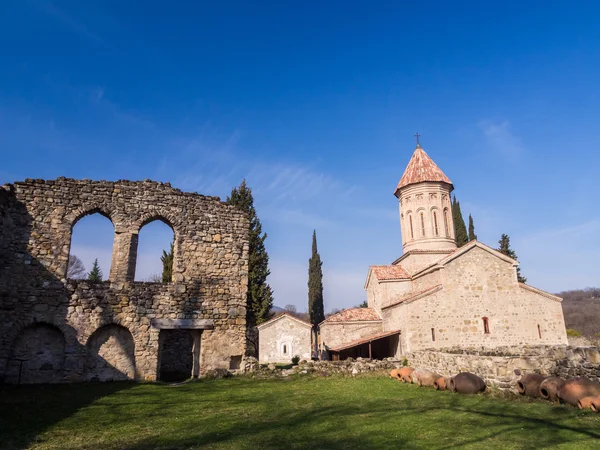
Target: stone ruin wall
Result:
[502, 366]
[81, 330]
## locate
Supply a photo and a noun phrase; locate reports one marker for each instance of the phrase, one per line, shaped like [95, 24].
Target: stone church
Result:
[439, 296]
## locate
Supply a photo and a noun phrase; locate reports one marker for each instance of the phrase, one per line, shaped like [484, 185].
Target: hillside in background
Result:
[582, 311]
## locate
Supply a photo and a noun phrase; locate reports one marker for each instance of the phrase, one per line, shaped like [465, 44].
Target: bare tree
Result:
[76, 269]
[155, 278]
[290, 308]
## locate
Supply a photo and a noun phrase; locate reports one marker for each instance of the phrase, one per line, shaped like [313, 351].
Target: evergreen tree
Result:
[260, 295]
[167, 261]
[315, 285]
[95, 275]
[460, 230]
[472, 235]
[504, 247]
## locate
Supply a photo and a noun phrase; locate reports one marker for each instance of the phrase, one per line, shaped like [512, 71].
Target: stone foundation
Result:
[503, 366]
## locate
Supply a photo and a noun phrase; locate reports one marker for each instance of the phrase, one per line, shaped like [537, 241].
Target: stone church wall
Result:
[285, 331]
[208, 290]
[477, 285]
[502, 367]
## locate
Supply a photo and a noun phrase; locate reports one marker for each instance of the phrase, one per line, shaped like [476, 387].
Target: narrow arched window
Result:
[422, 224]
[446, 223]
[435, 224]
[486, 325]
[285, 349]
[539, 331]
[433, 334]
[412, 234]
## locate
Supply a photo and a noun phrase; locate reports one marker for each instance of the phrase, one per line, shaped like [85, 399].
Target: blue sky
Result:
[316, 104]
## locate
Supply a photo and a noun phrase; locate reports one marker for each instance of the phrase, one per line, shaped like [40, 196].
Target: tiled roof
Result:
[390, 272]
[354, 315]
[415, 295]
[421, 168]
[364, 340]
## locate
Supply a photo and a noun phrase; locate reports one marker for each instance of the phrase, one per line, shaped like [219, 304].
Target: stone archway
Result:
[37, 355]
[110, 354]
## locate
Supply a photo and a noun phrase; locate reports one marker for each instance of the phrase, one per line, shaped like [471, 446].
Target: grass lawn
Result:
[363, 412]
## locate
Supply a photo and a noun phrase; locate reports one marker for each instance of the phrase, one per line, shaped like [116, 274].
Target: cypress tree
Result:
[260, 295]
[167, 261]
[472, 235]
[504, 247]
[95, 275]
[460, 230]
[316, 310]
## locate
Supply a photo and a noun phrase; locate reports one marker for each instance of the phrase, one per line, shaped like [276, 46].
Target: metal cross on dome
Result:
[417, 135]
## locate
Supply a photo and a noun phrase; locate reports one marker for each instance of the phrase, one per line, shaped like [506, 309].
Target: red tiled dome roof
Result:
[421, 168]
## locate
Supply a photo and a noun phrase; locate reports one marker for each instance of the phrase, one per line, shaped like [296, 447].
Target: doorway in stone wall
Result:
[179, 352]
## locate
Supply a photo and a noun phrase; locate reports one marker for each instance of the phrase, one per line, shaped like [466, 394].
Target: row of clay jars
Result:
[464, 382]
[556, 389]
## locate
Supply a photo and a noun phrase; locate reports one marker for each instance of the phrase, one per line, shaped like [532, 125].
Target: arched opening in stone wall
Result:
[178, 350]
[156, 250]
[37, 356]
[110, 354]
[92, 239]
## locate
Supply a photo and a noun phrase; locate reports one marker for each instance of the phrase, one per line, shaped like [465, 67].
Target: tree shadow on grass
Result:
[26, 411]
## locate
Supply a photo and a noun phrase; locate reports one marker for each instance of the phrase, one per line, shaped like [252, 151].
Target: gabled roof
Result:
[415, 295]
[364, 340]
[354, 315]
[387, 273]
[421, 168]
[540, 292]
[396, 272]
[281, 316]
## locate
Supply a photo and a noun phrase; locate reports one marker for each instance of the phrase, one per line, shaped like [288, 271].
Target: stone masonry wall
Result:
[475, 285]
[502, 367]
[209, 272]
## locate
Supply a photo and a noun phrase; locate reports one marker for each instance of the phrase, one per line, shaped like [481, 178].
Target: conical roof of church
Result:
[421, 168]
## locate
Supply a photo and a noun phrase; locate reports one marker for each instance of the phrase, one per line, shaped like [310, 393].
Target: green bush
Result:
[404, 362]
[573, 333]
[295, 360]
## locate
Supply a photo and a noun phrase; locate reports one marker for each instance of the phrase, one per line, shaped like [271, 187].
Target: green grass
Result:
[333, 412]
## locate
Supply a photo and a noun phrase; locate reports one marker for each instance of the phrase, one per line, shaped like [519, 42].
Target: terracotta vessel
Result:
[595, 404]
[549, 388]
[529, 384]
[424, 377]
[440, 384]
[395, 373]
[405, 374]
[576, 388]
[466, 383]
[585, 402]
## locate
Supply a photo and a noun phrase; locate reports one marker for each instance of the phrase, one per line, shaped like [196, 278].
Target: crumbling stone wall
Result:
[502, 366]
[208, 291]
[110, 354]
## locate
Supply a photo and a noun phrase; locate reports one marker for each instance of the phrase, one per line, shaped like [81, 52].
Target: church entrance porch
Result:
[379, 346]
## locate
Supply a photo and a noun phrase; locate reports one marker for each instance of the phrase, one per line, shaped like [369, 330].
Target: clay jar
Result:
[405, 374]
[529, 384]
[575, 389]
[424, 377]
[466, 383]
[585, 402]
[595, 405]
[549, 388]
[440, 384]
[395, 373]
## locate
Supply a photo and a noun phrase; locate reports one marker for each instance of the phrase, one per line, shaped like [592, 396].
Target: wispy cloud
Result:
[501, 139]
[74, 24]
